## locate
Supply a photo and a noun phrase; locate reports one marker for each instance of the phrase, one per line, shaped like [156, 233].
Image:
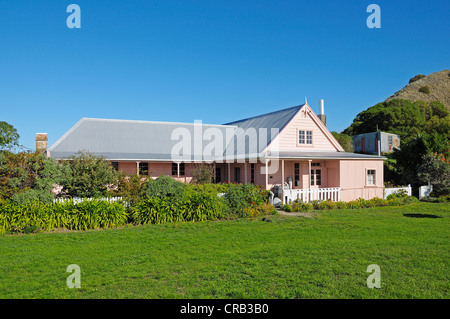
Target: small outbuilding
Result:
[375, 143]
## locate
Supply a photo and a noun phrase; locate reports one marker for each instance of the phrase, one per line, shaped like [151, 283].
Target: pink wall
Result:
[306, 120]
[349, 175]
[329, 173]
[157, 169]
[353, 179]
[128, 167]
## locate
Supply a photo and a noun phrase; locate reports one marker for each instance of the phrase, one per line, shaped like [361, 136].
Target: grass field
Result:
[291, 257]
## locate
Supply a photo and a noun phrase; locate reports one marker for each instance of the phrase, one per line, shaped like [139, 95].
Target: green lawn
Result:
[291, 257]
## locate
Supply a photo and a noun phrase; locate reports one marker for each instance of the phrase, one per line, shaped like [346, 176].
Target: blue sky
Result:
[215, 61]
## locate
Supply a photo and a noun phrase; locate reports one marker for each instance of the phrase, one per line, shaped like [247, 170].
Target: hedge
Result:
[68, 215]
[299, 206]
[204, 202]
[192, 203]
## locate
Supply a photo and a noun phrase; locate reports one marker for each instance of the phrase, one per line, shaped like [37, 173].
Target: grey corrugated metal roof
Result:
[274, 120]
[374, 133]
[128, 140]
[147, 140]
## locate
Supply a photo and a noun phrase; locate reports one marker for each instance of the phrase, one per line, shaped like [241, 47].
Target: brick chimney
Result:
[41, 142]
[322, 115]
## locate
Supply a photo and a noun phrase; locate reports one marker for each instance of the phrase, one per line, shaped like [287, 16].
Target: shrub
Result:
[288, 208]
[211, 188]
[88, 175]
[194, 206]
[26, 177]
[240, 196]
[392, 200]
[204, 206]
[425, 89]
[164, 186]
[202, 173]
[86, 215]
[401, 193]
[435, 169]
[31, 195]
[129, 187]
[417, 77]
[298, 206]
[156, 210]
[202, 202]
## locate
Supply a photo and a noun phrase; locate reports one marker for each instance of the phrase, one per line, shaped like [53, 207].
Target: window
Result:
[315, 164]
[252, 173]
[301, 137]
[316, 177]
[390, 139]
[309, 137]
[370, 177]
[115, 165]
[182, 169]
[296, 174]
[143, 168]
[237, 174]
[174, 169]
[305, 137]
[217, 175]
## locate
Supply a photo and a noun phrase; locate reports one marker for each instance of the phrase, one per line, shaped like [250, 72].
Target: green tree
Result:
[8, 136]
[25, 177]
[409, 158]
[402, 117]
[435, 169]
[89, 175]
[346, 141]
[439, 109]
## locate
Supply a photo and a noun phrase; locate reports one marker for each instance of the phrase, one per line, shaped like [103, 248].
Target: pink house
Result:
[289, 151]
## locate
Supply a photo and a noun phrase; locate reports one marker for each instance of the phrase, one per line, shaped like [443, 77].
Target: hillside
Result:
[439, 89]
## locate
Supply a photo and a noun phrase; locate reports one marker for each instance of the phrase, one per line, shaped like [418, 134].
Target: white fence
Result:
[77, 200]
[307, 195]
[389, 191]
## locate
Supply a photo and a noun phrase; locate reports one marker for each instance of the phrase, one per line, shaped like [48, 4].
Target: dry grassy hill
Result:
[438, 85]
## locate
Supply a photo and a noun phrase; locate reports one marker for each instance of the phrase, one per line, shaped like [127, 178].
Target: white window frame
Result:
[374, 177]
[305, 138]
[314, 174]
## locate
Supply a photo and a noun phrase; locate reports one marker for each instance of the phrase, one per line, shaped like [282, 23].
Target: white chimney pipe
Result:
[321, 107]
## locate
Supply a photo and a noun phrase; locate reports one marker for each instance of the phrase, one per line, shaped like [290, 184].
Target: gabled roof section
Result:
[287, 139]
[266, 122]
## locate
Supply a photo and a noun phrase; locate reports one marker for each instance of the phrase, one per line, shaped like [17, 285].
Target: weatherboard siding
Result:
[353, 179]
[288, 137]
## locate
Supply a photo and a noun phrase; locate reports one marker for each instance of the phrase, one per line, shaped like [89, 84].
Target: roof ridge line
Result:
[265, 114]
[152, 122]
